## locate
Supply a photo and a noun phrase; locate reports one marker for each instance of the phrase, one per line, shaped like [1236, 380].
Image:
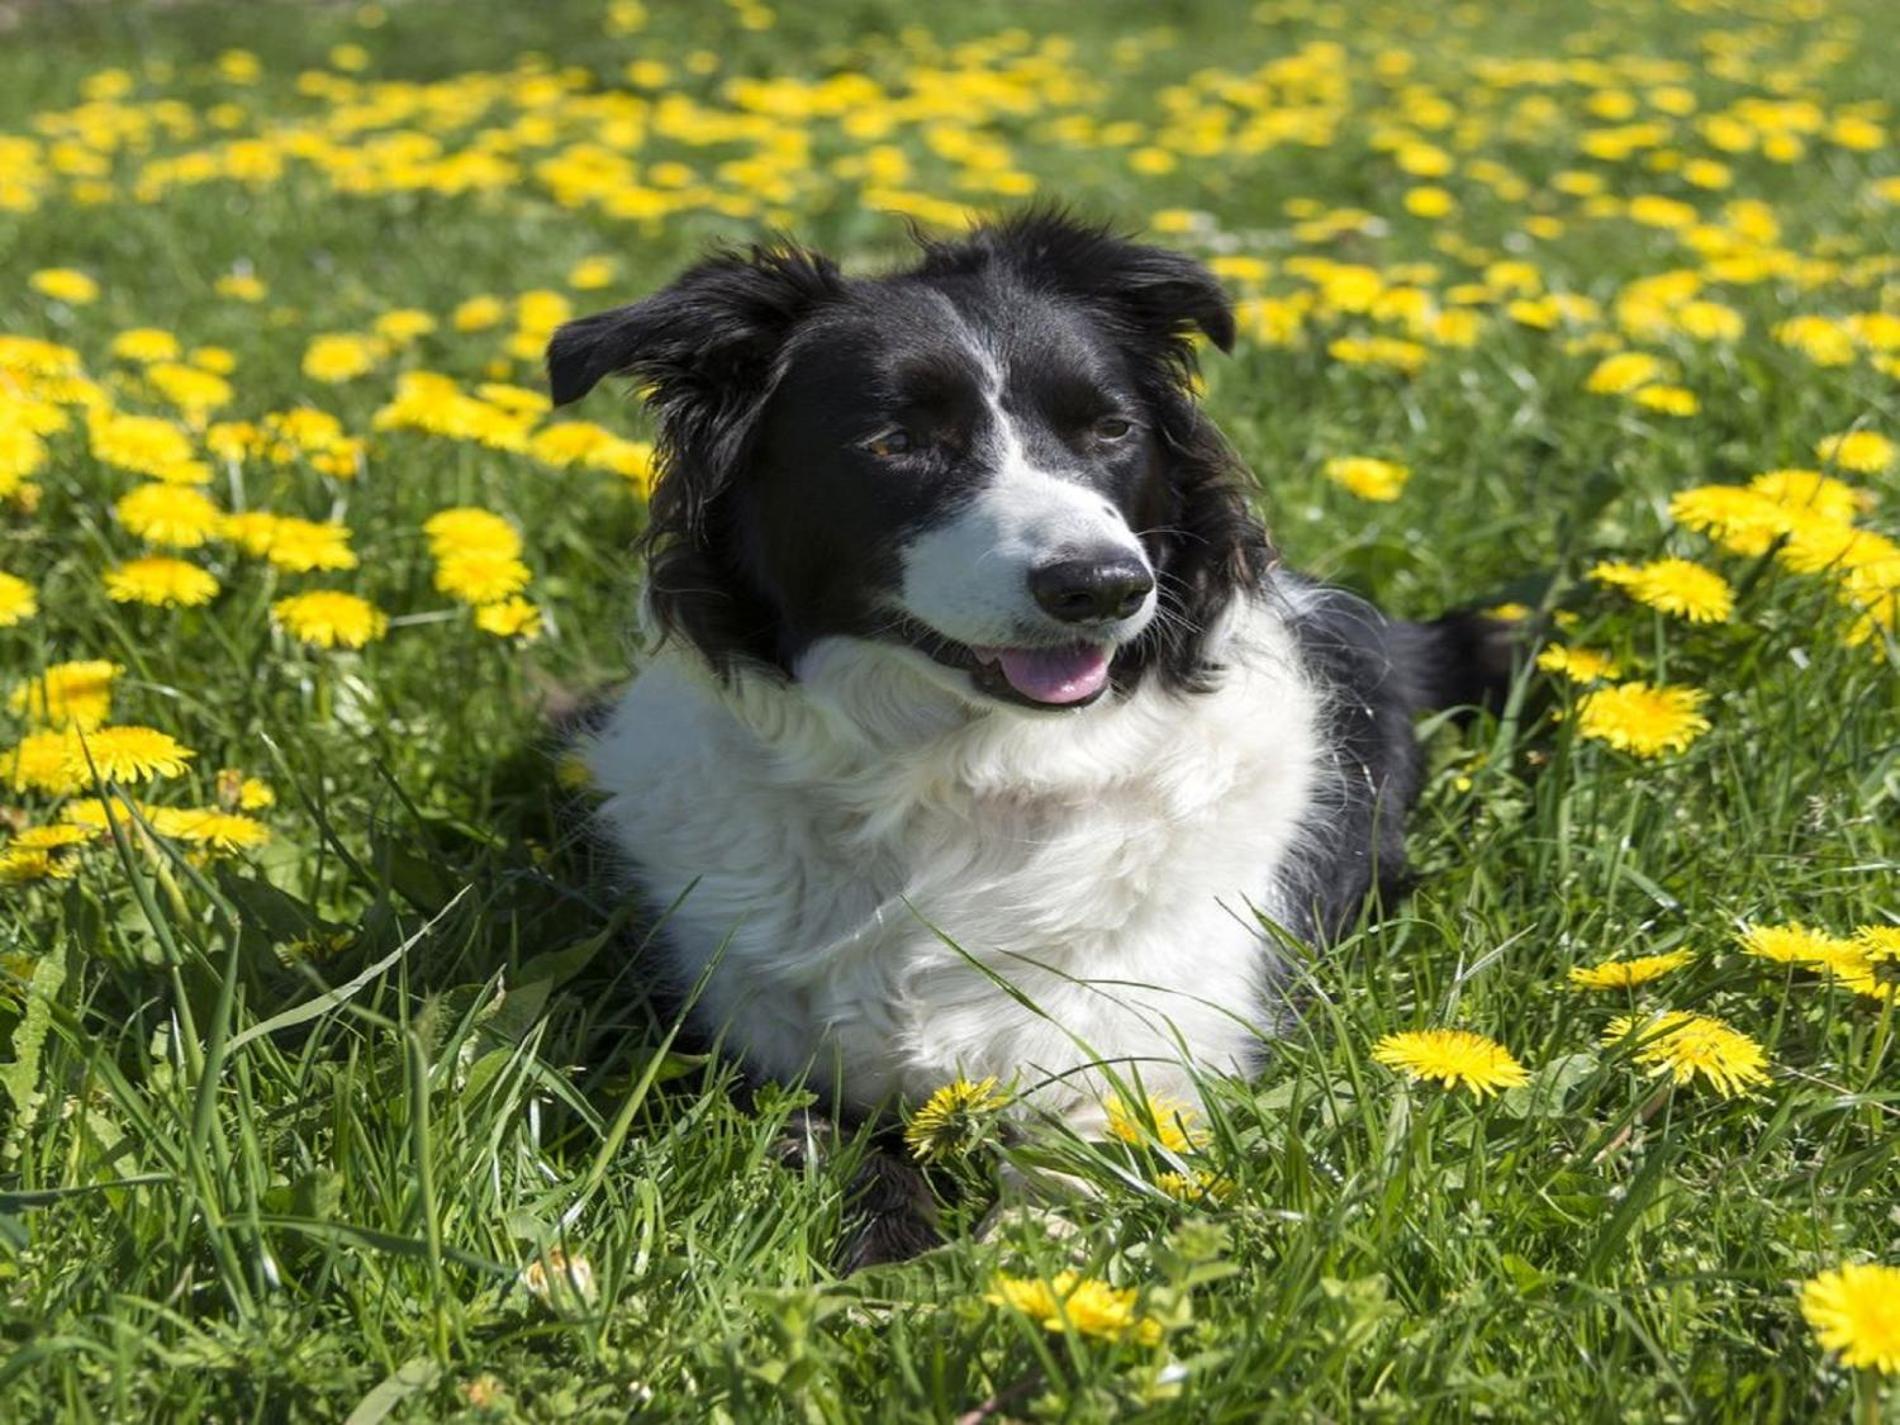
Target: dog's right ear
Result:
[706, 353]
[722, 320]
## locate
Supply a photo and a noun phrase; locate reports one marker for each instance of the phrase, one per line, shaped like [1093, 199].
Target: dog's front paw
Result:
[806, 1141]
[891, 1214]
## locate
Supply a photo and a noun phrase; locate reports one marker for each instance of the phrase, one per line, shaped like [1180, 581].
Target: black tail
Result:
[1464, 659]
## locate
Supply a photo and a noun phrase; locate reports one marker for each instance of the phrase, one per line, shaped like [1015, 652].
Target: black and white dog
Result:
[984, 733]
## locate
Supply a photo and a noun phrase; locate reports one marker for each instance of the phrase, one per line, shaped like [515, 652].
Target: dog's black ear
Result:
[706, 353]
[1148, 292]
[719, 324]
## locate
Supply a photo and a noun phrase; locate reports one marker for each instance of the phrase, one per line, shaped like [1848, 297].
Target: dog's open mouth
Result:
[1063, 676]
[1053, 677]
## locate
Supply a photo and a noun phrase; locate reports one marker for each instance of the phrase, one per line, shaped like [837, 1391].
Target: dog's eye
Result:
[891, 442]
[1112, 428]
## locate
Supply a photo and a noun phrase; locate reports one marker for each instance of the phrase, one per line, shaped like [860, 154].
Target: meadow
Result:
[329, 1086]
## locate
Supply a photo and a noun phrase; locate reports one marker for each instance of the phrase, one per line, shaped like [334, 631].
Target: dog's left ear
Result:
[1147, 293]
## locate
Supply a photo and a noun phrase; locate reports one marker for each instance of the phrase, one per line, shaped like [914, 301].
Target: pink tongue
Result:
[1055, 675]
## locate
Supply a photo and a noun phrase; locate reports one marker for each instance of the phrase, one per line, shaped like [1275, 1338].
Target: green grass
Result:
[281, 1130]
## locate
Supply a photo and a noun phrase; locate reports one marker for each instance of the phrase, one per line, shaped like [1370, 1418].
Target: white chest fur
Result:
[877, 862]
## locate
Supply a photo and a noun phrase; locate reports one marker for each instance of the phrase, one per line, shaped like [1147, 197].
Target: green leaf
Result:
[411, 1378]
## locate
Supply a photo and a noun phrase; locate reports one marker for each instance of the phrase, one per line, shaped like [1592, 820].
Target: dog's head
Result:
[991, 463]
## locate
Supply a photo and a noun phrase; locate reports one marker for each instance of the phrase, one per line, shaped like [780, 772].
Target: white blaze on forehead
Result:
[968, 577]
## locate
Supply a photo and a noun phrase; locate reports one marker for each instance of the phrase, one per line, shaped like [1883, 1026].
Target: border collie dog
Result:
[984, 736]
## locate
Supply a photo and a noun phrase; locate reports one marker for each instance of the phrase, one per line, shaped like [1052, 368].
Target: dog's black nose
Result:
[1086, 590]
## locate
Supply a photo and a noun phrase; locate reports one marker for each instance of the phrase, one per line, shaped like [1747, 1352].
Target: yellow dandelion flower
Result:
[162, 582]
[1579, 665]
[39, 763]
[1742, 521]
[1854, 1310]
[1710, 321]
[64, 284]
[1796, 944]
[125, 754]
[478, 314]
[90, 813]
[175, 516]
[1808, 492]
[330, 618]
[22, 454]
[1824, 546]
[1678, 587]
[592, 273]
[403, 325]
[29, 356]
[1071, 1302]
[1614, 572]
[1639, 719]
[1199, 1188]
[1684, 1045]
[1816, 545]
[1875, 972]
[146, 445]
[1627, 974]
[196, 393]
[468, 530]
[1454, 1057]
[240, 287]
[76, 694]
[208, 826]
[301, 545]
[233, 441]
[250, 530]
[1865, 452]
[1881, 942]
[1169, 1122]
[340, 356]
[1378, 480]
[518, 400]
[343, 461]
[481, 577]
[542, 310]
[17, 600]
[1508, 613]
[20, 865]
[432, 403]
[511, 618]
[246, 793]
[218, 360]
[302, 430]
[631, 460]
[144, 344]
[1667, 400]
[565, 443]
[954, 1119]
[1821, 340]
[1403, 356]
[1623, 373]
[57, 837]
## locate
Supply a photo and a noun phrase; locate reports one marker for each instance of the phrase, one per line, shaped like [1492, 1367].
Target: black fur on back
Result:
[1377, 674]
